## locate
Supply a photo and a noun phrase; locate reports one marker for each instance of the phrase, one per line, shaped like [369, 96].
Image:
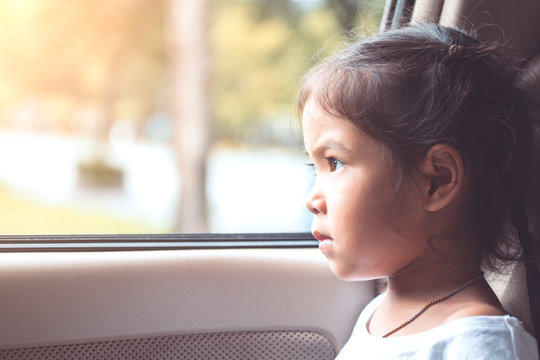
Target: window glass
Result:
[144, 116]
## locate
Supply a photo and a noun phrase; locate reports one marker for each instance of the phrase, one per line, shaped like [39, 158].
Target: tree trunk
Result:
[191, 117]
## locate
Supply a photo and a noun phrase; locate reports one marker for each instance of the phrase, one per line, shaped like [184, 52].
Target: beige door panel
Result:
[80, 297]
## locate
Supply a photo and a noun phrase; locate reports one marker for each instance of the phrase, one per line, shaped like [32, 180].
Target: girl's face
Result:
[363, 234]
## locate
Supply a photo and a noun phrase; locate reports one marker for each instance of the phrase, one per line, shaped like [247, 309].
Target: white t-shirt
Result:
[474, 338]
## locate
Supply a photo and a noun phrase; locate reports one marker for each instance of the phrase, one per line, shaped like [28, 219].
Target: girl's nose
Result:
[315, 202]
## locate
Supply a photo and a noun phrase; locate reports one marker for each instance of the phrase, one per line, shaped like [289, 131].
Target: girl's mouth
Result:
[324, 241]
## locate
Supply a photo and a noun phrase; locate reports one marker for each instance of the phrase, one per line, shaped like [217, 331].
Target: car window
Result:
[98, 135]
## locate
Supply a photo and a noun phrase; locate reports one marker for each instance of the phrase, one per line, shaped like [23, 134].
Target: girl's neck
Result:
[439, 276]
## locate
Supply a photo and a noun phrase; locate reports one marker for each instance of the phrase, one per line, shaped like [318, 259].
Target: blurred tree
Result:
[97, 54]
[112, 57]
[261, 48]
[190, 74]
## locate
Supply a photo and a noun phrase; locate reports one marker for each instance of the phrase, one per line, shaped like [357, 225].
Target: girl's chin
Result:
[348, 274]
[342, 272]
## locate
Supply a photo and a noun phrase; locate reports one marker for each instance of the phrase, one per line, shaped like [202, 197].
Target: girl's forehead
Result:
[316, 115]
[314, 109]
[324, 131]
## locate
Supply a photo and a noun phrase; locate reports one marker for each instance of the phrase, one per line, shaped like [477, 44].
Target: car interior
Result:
[224, 296]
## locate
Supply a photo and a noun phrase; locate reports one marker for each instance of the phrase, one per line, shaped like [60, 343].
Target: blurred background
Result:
[153, 116]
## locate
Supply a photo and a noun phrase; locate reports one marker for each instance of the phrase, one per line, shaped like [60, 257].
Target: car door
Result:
[163, 297]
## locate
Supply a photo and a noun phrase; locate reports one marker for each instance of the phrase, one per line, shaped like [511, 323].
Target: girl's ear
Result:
[444, 177]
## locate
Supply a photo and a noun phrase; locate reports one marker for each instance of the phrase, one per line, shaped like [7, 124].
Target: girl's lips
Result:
[325, 242]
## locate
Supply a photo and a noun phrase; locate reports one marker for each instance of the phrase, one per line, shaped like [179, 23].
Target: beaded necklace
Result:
[431, 303]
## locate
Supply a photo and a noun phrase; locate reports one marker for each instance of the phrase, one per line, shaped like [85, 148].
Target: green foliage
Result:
[259, 61]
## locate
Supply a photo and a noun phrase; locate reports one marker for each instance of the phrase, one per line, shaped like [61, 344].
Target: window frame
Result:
[139, 242]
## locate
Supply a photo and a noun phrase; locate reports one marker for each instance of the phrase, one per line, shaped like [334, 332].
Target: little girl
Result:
[420, 141]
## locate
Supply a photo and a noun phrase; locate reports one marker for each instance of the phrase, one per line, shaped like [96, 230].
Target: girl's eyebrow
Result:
[330, 144]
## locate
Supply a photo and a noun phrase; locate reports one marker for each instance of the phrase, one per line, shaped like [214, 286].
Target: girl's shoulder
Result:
[484, 337]
[474, 309]
[472, 337]
[478, 332]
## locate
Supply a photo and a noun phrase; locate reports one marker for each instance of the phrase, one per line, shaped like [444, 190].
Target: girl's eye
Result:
[335, 164]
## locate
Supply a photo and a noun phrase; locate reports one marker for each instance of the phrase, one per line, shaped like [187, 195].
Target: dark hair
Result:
[421, 85]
